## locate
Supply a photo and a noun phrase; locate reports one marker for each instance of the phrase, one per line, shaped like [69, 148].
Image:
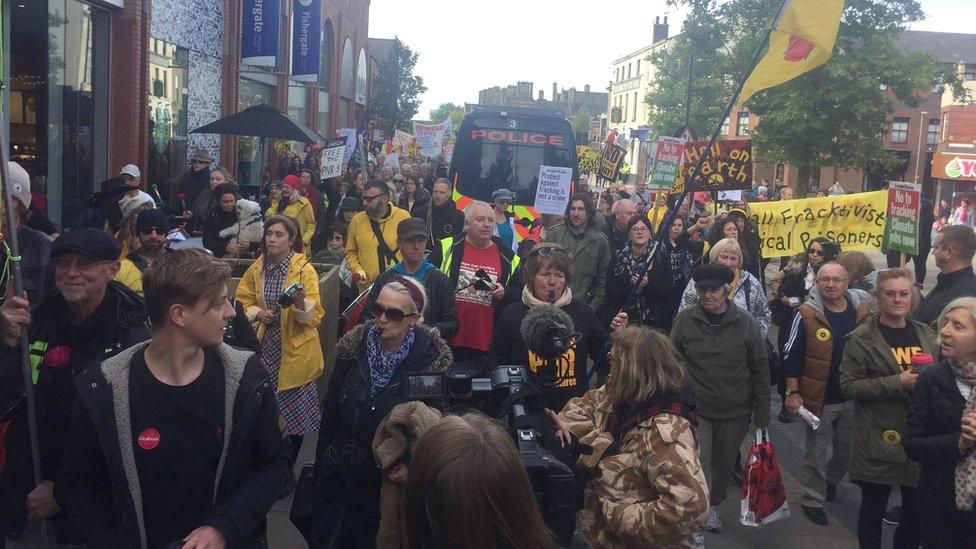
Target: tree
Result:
[445, 110]
[834, 115]
[398, 90]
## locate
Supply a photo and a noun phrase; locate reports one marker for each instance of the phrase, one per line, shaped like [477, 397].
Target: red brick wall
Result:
[128, 88]
[961, 127]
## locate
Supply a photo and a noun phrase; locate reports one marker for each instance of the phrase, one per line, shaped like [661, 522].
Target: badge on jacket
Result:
[823, 334]
[892, 437]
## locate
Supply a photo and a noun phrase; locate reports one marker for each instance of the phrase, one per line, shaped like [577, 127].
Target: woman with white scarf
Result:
[941, 432]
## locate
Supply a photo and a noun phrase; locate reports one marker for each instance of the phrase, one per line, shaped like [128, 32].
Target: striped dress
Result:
[299, 406]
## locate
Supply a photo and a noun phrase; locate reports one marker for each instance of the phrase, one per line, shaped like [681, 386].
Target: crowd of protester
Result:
[172, 404]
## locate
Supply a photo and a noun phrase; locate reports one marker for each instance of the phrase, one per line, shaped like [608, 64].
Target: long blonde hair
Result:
[643, 363]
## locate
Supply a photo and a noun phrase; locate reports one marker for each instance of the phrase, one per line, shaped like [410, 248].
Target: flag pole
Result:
[690, 183]
[18, 289]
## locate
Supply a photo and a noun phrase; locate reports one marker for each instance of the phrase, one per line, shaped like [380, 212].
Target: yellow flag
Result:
[802, 40]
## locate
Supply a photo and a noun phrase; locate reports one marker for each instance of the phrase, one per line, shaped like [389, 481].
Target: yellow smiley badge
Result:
[891, 437]
[823, 334]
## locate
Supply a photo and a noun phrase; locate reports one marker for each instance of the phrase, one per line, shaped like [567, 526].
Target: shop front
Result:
[956, 175]
[56, 64]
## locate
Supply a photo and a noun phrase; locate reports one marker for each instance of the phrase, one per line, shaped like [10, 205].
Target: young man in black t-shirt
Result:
[177, 441]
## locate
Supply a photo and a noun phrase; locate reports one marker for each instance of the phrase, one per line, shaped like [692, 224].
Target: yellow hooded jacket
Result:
[301, 351]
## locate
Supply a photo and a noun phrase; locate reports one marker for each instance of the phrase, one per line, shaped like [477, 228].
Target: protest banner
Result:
[728, 167]
[332, 158]
[393, 161]
[904, 209]
[855, 221]
[610, 162]
[401, 141]
[589, 159]
[667, 160]
[552, 193]
[349, 134]
[431, 137]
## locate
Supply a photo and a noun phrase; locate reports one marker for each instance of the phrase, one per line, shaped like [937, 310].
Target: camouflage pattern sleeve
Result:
[665, 464]
[584, 417]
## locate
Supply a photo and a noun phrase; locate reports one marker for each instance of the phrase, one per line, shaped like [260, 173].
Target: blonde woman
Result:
[648, 488]
[746, 290]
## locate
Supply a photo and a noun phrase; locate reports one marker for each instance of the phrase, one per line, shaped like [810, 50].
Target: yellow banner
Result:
[855, 221]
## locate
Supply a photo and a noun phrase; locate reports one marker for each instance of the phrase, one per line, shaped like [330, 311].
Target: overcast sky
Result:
[471, 45]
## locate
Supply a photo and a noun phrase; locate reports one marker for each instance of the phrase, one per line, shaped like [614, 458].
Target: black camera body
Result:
[286, 297]
[509, 395]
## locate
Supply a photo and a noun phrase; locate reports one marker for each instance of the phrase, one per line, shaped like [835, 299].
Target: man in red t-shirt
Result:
[482, 271]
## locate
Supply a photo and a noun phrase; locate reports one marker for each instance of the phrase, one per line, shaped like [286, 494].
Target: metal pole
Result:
[690, 183]
[918, 150]
[18, 290]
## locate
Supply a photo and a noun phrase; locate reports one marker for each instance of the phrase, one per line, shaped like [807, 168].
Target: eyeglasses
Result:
[813, 251]
[200, 162]
[150, 230]
[639, 229]
[546, 251]
[337, 238]
[371, 198]
[831, 279]
[392, 314]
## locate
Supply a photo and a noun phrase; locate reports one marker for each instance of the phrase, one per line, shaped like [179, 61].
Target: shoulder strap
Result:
[386, 255]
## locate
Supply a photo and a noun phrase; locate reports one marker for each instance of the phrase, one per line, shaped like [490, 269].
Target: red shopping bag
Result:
[763, 495]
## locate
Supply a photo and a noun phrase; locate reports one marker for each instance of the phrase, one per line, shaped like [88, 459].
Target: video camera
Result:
[513, 395]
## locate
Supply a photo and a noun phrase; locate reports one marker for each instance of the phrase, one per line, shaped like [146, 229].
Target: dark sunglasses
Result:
[811, 251]
[151, 230]
[337, 238]
[392, 314]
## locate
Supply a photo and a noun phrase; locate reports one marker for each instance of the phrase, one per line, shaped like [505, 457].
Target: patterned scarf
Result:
[966, 469]
[629, 263]
[383, 365]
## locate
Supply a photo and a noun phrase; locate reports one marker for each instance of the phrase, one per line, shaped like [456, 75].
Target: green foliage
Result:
[833, 115]
[447, 109]
[397, 90]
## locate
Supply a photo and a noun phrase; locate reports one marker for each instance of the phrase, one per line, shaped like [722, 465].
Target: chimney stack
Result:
[660, 30]
[541, 98]
[553, 92]
[586, 88]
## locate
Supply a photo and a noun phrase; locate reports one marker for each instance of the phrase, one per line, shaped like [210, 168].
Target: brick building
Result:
[97, 84]
[954, 162]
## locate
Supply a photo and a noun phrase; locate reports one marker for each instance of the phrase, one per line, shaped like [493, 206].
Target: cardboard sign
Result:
[349, 134]
[610, 162]
[431, 137]
[667, 161]
[728, 167]
[332, 158]
[855, 221]
[589, 159]
[904, 208]
[552, 193]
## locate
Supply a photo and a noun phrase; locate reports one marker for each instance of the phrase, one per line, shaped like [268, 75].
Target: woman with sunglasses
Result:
[287, 323]
[546, 271]
[369, 380]
[789, 287]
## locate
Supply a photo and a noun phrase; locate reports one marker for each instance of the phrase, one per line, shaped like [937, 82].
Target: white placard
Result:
[730, 195]
[552, 193]
[393, 161]
[332, 158]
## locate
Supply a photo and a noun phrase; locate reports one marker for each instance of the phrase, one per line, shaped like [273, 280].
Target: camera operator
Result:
[647, 488]
[468, 488]
[547, 270]
[372, 363]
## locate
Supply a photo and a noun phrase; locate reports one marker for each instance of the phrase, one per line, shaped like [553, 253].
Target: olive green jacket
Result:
[870, 376]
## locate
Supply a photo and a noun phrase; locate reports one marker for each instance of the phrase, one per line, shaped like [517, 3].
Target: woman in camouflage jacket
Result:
[647, 488]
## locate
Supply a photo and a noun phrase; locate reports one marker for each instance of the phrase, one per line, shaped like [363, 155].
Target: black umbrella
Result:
[262, 121]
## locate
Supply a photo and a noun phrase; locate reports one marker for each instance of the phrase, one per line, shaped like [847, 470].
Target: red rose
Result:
[57, 357]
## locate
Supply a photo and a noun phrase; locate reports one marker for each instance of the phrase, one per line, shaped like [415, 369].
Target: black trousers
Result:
[945, 527]
[874, 503]
[917, 260]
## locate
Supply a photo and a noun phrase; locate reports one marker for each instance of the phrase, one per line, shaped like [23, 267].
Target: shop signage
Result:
[957, 166]
[305, 36]
[259, 32]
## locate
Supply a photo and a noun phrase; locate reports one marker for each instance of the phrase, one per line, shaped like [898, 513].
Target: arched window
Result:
[361, 71]
[347, 79]
[328, 54]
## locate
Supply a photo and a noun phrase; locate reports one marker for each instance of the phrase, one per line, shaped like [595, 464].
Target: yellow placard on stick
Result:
[855, 221]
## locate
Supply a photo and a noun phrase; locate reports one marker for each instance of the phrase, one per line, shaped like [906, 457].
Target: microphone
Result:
[548, 331]
[182, 198]
[155, 193]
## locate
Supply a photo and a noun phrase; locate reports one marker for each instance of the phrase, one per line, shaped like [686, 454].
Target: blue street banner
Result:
[305, 38]
[259, 32]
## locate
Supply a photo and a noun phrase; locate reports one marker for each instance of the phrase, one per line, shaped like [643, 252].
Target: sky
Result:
[465, 46]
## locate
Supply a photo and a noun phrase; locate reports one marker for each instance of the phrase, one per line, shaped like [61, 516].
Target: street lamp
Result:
[918, 150]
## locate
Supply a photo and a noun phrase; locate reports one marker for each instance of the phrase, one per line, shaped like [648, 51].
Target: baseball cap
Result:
[712, 275]
[411, 227]
[19, 183]
[89, 241]
[503, 194]
[152, 219]
[131, 169]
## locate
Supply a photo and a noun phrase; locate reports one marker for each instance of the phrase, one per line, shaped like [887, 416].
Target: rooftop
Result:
[948, 47]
